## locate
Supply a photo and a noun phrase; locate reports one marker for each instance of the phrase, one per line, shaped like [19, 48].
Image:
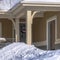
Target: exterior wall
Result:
[39, 26]
[48, 15]
[58, 26]
[38, 33]
[6, 28]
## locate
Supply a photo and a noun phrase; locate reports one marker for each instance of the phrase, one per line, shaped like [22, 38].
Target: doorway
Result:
[51, 34]
[23, 32]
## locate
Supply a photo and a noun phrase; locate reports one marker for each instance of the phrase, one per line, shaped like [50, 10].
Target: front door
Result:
[51, 35]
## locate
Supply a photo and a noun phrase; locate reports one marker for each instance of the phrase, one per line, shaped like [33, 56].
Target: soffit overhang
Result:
[21, 8]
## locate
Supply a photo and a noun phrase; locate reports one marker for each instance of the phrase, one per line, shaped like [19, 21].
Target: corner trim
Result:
[49, 20]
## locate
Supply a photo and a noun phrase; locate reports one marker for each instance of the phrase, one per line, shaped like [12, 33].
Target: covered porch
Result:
[37, 18]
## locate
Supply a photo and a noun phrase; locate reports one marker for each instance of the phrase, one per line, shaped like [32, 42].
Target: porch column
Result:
[17, 30]
[29, 28]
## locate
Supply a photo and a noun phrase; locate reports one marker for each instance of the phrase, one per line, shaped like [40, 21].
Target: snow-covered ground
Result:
[22, 51]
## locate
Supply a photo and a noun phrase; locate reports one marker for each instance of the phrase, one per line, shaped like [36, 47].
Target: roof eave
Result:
[38, 2]
[42, 4]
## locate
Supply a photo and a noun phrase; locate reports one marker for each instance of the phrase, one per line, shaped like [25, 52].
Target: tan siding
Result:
[39, 26]
[58, 26]
[48, 15]
[38, 30]
[6, 28]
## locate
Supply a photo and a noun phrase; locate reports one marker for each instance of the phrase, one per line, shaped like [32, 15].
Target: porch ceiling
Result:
[43, 8]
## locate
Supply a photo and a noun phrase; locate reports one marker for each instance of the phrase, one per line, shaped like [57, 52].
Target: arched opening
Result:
[6, 31]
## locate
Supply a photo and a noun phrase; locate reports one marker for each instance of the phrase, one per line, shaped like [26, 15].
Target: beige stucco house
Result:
[33, 22]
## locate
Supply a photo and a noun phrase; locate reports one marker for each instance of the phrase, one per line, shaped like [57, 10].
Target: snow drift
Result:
[22, 51]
